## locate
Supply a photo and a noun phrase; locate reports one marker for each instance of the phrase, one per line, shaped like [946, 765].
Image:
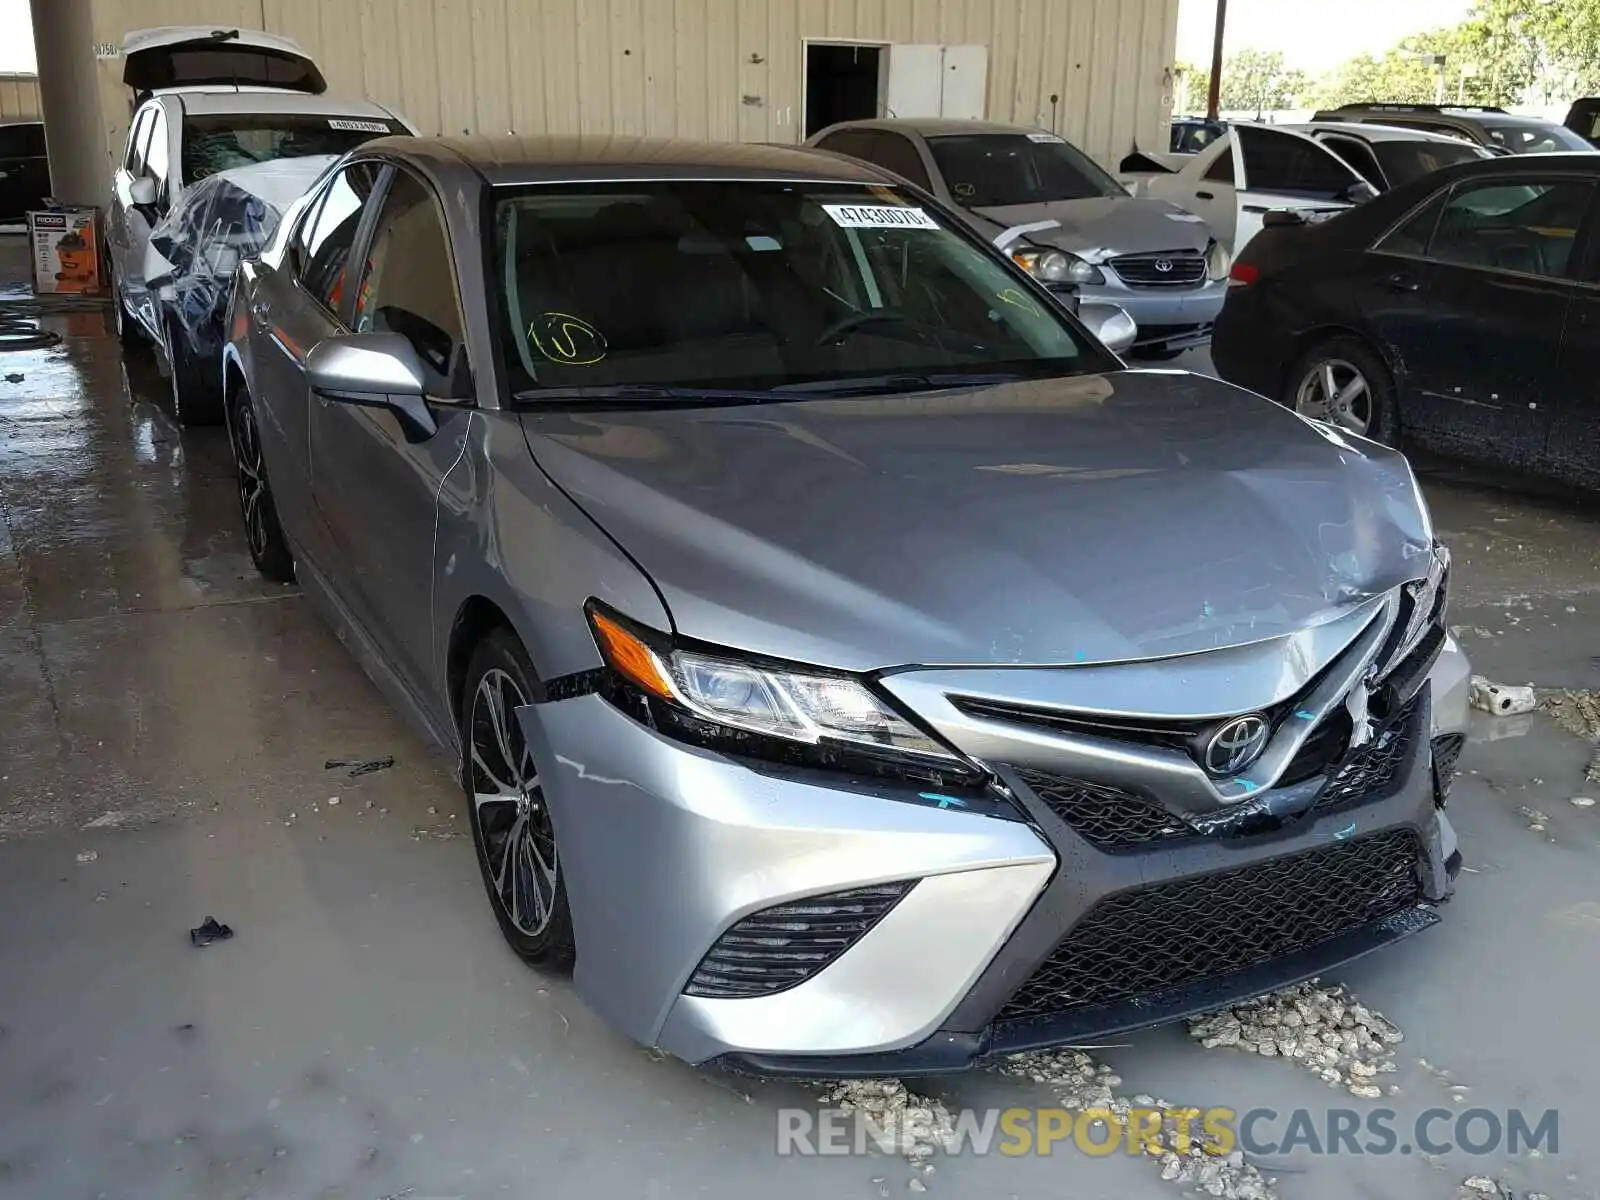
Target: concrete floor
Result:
[166, 716]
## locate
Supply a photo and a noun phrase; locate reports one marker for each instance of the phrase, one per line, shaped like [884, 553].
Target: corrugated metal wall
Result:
[19, 97]
[722, 69]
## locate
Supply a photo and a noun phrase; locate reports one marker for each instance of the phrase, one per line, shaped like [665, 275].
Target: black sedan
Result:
[1460, 312]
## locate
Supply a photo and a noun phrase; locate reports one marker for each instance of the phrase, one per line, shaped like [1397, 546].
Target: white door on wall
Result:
[927, 80]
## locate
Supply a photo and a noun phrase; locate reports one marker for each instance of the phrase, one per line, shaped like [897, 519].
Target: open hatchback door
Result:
[181, 56]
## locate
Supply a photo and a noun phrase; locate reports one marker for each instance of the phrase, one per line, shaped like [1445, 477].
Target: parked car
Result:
[853, 610]
[211, 100]
[1459, 312]
[24, 170]
[1252, 171]
[194, 250]
[1190, 135]
[1386, 155]
[1495, 128]
[1583, 119]
[1078, 229]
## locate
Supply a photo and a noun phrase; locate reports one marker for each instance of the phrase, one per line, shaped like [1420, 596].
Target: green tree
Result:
[1252, 81]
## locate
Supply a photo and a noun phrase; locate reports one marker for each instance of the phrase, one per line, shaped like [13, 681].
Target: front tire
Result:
[1343, 382]
[196, 392]
[511, 825]
[127, 329]
[269, 549]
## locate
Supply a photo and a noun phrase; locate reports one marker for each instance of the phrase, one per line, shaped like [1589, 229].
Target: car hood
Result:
[1106, 226]
[1097, 519]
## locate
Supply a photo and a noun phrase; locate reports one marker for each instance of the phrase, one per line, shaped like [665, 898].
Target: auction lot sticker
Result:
[879, 216]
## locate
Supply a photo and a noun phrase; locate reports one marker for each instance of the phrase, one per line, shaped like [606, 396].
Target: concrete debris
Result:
[1324, 1030]
[1080, 1083]
[359, 766]
[88, 856]
[915, 1125]
[1501, 700]
[1577, 711]
[1582, 801]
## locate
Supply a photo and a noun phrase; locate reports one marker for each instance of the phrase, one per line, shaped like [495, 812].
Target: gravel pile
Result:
[1578, 712]
[1080, 1083]
[1481, 1187]
[916, 1126]
[1322, 1029]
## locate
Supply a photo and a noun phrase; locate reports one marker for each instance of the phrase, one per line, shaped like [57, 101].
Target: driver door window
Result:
[138, 138]
[1528, 227]
[156, 157]
[322, 246]
[409, 286]
[1286, 163]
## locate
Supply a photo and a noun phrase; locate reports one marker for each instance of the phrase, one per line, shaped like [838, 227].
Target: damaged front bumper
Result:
[966, 934]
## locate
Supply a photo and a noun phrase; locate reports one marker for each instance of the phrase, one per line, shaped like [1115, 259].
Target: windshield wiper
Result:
[872, 385]
[640, 393]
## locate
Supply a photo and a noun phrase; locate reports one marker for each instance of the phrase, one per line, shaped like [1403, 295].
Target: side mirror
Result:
[1359, 192]
[1111, 324]
[374, 370]
[1278, 218]
[143, 192]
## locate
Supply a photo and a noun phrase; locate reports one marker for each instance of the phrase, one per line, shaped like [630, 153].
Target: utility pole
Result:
[1214, 99]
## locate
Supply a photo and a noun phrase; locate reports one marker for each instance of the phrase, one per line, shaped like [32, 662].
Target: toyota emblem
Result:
[1237, 745]
[1164, 265]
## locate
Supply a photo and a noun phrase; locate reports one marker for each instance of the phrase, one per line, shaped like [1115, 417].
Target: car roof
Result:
[511, 158]
[1372, 131]
[203, 101]
[935, 126]
[1444, 113]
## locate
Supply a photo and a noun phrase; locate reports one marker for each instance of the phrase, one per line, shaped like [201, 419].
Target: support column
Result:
[69, 94]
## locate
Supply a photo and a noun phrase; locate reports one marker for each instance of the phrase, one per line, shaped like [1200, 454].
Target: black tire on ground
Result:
[536, 925]
[1347, 351]
[196, 390]
[269, 549]
[128, 335]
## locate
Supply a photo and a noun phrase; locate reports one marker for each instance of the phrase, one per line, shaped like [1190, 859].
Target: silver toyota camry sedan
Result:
[852, 667]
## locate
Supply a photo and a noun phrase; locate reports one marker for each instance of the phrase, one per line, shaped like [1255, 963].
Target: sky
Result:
[1314, 35]
[16, 36]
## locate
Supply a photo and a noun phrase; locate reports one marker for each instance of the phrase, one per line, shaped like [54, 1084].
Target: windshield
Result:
[1534, 138]
[1404, 161]
[226, 140]
[993, 170]
[755, 286]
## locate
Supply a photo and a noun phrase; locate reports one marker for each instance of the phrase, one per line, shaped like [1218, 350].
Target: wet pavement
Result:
[165, 718]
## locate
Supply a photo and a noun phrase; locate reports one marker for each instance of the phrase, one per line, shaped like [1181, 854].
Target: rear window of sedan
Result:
[222, 141]
[759, 285]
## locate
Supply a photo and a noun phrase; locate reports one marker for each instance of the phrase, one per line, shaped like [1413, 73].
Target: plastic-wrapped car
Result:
[216, 224]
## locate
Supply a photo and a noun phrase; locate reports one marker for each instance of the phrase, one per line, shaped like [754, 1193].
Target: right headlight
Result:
[1426, 601]
[1219, 263]
[1057, 266]
[788, 712]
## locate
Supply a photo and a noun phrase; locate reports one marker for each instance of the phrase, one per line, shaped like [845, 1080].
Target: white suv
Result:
[210, 100]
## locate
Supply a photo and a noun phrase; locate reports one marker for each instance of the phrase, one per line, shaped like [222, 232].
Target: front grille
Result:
[1144, 270]
[781, 947]
[1104, 816]
[1142, 942]
[1371, 771]
[1446, 758]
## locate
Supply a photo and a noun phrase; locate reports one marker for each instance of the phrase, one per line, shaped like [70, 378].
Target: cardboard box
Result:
[66, 250]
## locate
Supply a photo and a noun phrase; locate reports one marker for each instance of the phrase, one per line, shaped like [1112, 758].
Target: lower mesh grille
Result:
[1372, 771]
[1149, 940]
[1446, 758]
[1104, 816]
[782, 947]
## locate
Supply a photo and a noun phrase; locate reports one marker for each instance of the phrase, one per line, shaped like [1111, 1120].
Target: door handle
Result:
[1204, 196]
[1401, 282]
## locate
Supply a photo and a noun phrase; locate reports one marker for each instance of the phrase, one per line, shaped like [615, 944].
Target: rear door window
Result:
[1357, 156]
[1221, 171]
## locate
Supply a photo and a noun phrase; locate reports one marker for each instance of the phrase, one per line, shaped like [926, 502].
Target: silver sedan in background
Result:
[1062, 217]
[851, 667]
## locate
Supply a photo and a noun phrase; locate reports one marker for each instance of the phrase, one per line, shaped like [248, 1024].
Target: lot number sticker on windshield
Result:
[357, 126]
[879, 216]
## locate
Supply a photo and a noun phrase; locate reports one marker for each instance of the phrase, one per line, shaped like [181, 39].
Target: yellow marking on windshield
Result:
[566, 339]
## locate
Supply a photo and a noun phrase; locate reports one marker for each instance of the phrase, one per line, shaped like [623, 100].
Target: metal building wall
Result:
[19, 97]
[723, 69]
